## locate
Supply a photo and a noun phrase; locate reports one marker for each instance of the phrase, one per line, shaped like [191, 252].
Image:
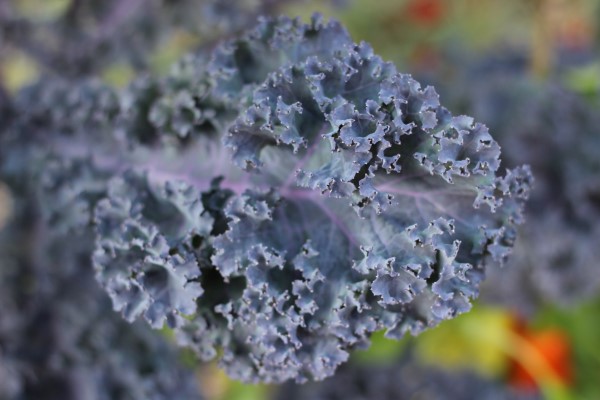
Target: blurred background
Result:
[529, 69]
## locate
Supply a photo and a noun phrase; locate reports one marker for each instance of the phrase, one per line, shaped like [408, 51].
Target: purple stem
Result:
[310, 195]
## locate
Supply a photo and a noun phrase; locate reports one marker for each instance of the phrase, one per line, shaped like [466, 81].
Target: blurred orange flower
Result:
[545, 352]
[426, 12]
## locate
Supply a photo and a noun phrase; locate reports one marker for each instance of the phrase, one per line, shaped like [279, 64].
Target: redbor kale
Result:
[280, 199]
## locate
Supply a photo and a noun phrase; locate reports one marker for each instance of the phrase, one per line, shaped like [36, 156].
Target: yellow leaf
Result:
[177, 44]
[42, 10]
[18, 70]
[118, 75]
[475, 340]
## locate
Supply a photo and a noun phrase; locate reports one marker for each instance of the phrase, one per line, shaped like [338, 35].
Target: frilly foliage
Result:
[59, 337]
[85, 36]
[556, 132]
[558, 247]
[281, 199]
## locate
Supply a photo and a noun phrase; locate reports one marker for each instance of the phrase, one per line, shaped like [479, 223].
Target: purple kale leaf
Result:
[280, 201]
